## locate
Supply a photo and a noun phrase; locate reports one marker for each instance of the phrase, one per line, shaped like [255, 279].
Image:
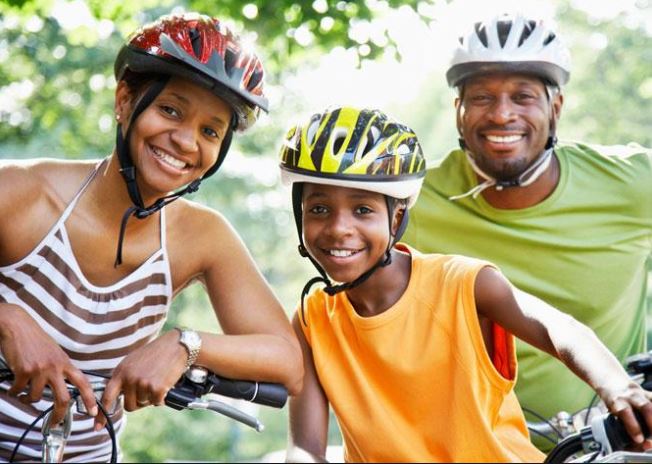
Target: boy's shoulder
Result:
[438, 269]
[443, 262]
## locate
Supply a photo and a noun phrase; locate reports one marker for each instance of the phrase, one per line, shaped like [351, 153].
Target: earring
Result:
[117, 117]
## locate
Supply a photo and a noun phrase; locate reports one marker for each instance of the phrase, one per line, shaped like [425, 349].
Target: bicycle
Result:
[188, 393]
[592, 434]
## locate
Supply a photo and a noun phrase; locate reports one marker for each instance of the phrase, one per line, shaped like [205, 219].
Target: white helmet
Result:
[513, 44]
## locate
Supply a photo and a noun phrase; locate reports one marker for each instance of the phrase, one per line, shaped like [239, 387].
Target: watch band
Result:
[191, 341]
[192, 357]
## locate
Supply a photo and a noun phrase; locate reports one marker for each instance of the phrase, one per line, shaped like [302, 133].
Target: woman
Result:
[70, 301]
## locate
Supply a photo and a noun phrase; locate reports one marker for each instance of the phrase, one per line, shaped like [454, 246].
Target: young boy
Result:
[415, 353]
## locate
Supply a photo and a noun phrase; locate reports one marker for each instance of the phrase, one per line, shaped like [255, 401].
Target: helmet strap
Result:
[127, 168]
[142, 213]
[526, 178]
[552, 132]
[297, 209]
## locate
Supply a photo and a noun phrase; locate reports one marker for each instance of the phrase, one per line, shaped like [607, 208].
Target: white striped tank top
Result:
[96, 327]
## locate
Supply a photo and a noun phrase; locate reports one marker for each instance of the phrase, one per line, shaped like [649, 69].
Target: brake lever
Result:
[188, 392]
[229, 411]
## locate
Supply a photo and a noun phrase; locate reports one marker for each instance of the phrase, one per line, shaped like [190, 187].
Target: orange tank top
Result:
[415, 383]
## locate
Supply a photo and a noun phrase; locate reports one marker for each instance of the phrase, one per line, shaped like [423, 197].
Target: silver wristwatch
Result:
[192, 342]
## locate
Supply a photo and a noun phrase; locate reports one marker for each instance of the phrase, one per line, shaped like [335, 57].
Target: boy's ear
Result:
[399, 212]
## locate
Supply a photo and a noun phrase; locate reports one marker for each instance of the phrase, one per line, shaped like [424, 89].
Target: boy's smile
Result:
[342, 253]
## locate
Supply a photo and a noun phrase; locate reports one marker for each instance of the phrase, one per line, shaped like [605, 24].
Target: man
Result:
[568, 223]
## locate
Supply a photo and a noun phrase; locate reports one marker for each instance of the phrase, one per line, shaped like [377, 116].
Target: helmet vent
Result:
[528, 27]
[338, 140]
[195, 37]
[229, 60]
[256, 78]
[503, 28]
[372, 136]
[312, 131]
[549, 39]
[481, 33]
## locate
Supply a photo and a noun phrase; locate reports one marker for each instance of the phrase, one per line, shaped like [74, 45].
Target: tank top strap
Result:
[88, 180]
[162, 231]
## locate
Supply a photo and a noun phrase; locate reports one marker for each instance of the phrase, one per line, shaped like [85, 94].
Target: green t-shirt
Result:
[583, 250]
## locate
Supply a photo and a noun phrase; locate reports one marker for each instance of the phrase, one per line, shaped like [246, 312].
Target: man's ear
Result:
[557, 104]
[458, 115]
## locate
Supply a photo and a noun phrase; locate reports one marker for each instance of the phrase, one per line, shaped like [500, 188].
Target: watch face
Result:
[190, 338]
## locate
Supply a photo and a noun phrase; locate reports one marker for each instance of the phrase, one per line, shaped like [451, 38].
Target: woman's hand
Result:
[38, 361]
[146, 375]
[623, 400]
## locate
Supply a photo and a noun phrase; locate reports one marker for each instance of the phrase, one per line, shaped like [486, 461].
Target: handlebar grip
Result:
[616, 433]
[6, 374]
[268, 394]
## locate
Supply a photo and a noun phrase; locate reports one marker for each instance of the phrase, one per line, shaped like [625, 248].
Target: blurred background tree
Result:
[56, 100]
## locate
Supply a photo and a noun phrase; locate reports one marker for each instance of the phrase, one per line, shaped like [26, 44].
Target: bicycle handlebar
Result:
[264, 393]
[186, 394]
[610, 432]
[605, 436]
[198, 382]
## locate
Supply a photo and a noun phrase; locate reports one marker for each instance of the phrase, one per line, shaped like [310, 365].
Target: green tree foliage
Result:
[609, 97]
[56, 99]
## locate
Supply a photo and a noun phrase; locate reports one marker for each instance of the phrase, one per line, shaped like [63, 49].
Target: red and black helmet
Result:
[203, 50]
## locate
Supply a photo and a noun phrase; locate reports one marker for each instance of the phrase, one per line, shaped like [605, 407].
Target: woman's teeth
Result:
[172, 161]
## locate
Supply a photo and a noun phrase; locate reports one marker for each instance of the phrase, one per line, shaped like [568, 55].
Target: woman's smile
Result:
[168, 162]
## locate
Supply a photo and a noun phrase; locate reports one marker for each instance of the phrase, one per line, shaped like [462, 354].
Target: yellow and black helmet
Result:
[357, 148]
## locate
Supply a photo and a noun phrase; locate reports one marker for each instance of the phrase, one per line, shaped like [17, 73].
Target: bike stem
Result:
[55, 436]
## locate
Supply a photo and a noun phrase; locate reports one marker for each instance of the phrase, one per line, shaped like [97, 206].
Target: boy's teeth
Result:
[169, 159]
[504, 139]
[341, 253]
